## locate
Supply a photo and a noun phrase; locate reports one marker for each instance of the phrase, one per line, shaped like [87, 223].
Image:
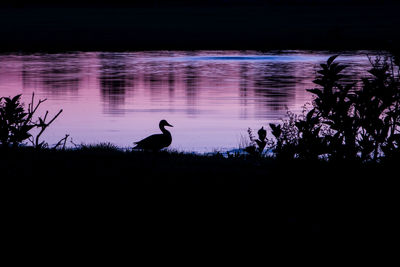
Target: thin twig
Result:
[63, 140]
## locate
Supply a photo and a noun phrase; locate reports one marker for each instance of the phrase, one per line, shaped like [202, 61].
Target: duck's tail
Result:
[137, 145]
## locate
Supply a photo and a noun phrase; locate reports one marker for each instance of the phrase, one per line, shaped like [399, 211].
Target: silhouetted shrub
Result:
[16, 123]
[345, 122]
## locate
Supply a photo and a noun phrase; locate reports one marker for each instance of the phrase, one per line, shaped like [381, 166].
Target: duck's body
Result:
[156, 142]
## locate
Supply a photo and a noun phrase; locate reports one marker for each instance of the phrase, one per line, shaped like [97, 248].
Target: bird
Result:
[156, 142]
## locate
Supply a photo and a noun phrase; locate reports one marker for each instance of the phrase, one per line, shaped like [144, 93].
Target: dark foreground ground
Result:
[290, 26]
[195, 204]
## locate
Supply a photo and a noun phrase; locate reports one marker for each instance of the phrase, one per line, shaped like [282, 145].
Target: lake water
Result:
[211, 97]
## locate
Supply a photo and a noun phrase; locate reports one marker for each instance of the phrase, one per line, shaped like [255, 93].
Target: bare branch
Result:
[45, 116]
[44, 126]
[55, 117]
[62, 141]
[31, 139]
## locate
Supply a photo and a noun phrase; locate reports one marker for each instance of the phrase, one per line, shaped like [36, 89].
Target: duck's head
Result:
[164, 123]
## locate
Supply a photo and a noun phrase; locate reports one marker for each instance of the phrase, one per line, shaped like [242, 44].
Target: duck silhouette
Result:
[156, 142]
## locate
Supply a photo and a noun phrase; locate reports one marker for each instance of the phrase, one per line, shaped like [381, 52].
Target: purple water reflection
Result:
[211, 97]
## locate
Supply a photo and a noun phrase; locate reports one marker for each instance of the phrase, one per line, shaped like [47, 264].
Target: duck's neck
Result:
[163, 130]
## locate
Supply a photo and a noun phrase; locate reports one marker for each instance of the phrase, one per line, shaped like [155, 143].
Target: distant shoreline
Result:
[372, 27]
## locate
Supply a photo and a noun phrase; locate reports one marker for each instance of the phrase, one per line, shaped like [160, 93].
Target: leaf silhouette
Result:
[331, 59]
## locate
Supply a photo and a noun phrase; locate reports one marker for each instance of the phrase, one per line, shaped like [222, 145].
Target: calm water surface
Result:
[211, 97]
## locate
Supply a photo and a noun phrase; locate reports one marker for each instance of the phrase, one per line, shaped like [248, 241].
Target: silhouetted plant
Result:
[377, 110]
[345, 122]
[16, 122]
[62, 143]
[299, 137]
[257, 146]
[334, 107]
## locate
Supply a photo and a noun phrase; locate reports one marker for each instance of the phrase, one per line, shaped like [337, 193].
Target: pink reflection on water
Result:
[211, 97]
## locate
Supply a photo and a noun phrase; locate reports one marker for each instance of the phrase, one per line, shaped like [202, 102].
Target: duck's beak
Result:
[168, 125]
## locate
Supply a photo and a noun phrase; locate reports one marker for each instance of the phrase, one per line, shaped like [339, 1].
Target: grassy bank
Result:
[192, 196]
[336, 27]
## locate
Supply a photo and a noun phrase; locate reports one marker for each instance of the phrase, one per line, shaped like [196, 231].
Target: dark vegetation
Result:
[108, 196]
[333, 177]
[346, 121]
[334, 25]
[16, 123]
